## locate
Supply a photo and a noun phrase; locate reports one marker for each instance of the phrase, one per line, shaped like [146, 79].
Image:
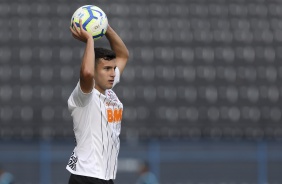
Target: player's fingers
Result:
[75, 27]
[77, 37]
[73, 31]
[80, 24]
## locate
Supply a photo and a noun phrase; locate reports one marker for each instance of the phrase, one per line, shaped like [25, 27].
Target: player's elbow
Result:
[126, 54]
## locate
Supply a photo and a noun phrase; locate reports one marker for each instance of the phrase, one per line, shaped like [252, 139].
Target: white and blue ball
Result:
[94, 20]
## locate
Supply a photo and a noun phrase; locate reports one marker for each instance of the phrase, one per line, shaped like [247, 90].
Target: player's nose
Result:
[113, 73]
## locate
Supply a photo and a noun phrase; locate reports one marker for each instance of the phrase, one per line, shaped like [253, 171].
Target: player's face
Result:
[104, 74]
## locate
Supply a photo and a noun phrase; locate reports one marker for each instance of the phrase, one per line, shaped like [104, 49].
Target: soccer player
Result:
[96, 110]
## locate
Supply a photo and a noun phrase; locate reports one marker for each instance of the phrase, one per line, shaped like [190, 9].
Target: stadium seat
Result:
[6, 93]
[5, 73]
[5, 54]
[6, 113]
[26, 93]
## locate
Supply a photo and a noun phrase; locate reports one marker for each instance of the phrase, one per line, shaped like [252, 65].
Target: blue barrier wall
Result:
[44, 161]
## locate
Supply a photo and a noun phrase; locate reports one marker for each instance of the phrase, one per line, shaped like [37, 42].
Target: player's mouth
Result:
[111, 81]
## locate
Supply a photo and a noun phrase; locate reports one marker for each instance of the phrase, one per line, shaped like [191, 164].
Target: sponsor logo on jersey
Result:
[114, 115]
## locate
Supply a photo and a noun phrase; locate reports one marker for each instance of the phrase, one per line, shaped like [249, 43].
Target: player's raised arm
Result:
[119, 47]
[88, 60]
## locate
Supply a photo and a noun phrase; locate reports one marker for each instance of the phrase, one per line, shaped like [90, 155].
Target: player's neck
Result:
[100, 89]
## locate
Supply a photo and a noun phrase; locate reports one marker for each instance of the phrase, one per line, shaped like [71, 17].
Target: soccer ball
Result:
[94, 20]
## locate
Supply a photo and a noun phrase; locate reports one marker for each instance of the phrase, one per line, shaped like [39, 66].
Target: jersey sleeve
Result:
[117, 77]
[78, 98]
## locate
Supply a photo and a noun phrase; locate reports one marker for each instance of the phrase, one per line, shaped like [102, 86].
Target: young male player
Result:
[96, 110]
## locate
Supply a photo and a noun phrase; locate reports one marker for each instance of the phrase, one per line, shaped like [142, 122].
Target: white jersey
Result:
[96, 123]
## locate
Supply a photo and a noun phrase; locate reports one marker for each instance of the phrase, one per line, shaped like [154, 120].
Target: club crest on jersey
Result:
[112, 96]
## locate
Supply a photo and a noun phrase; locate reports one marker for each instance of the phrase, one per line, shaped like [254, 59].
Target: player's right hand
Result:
[79, 33]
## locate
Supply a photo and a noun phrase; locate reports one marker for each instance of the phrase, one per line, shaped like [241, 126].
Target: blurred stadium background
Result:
[201, 91]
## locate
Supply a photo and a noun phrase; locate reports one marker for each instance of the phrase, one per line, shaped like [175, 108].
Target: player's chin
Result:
[110, 83]
[110, 86]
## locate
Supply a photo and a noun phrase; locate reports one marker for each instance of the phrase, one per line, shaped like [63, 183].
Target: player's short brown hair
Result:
[103, 53]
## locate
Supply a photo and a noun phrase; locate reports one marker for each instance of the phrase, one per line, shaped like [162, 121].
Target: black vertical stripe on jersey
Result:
[117, 151]
[111, 152]
[116, 142]
[101, 125]
[113, 142]
[108, 143]
[106, 114]
[108, 156]
[115, 163]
